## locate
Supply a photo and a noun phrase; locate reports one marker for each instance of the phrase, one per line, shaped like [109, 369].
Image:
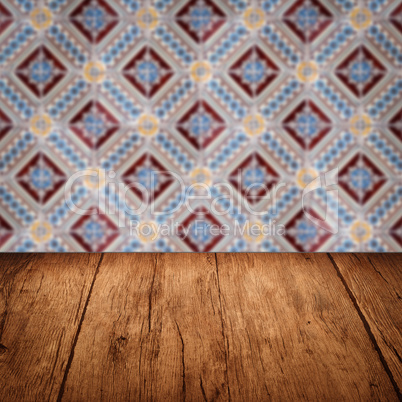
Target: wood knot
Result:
[3, 349]
[119, 343]
[117, 347]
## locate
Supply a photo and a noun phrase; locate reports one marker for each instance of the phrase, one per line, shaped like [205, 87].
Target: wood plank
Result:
[42, 298]
[152, 331]
[376, 283]
[293, 333]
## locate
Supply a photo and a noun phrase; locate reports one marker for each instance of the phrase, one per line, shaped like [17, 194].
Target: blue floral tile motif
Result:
[41, 179]
[253, 176]
[93, 232]
[200, 125]
[200, 17]
[94, 18]
[254, 72]
[307, 125]
[41, 71]
[360, 72]
[361, 178]
[147, 178]
[148, 72]
[306, 232]
[306, 17]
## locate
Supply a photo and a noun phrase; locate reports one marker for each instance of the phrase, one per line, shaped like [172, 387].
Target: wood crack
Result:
[366, 327]
[392, 347]
[139, 359]
[150, 295]
[223, 327]
[3, 349]
[70, 359]
[204, 395]
[57, 355]
[375, 269]
[182, 362]
[19, 268]
[355, 255]
[3, 318]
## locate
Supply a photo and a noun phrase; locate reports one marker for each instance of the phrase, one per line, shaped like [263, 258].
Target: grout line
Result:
[223, 328]
[367, 328]
[70, 358]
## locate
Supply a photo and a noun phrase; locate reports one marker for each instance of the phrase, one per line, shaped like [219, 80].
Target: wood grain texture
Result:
[292, 332]
[42, 297]
[152, 331]
[376, 283]
[228, 327]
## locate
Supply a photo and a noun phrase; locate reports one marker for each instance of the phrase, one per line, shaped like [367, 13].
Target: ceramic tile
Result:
[200, 125]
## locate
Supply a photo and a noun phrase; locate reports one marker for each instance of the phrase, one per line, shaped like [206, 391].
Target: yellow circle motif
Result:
[201, 71]
[41, 231]
[201, 175]
[360, 125]
[360, 232]
[307, 71]
[95, 181]
[148, 125]
[254, 18]
[148, 232]
[254, 125]
[253, 232]
[306, 176]
[41, 18]
[147, 18]
[360, 18]
[41, 124]
[94, 71]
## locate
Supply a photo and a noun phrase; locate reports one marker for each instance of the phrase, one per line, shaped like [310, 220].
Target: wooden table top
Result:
[90, 327]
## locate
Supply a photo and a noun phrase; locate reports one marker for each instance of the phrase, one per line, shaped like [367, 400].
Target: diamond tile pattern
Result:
[166, 125]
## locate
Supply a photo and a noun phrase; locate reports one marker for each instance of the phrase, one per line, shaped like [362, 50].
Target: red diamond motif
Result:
[147, 72]
[200, 231]
[254, 71]
[200, 19]
[6, 231]
[361, 71]
[41, 178]
[396, 232]
[94, 124]
[254, 178]
[307, 124]
[5, 124]
[6, 18]
[94, 19]
[41, 71]
[304, 235]
[201, 125]
[147, 174]
[396, 18]
[94, 232]
[395, 125]
[361, 178]
[308, 19]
